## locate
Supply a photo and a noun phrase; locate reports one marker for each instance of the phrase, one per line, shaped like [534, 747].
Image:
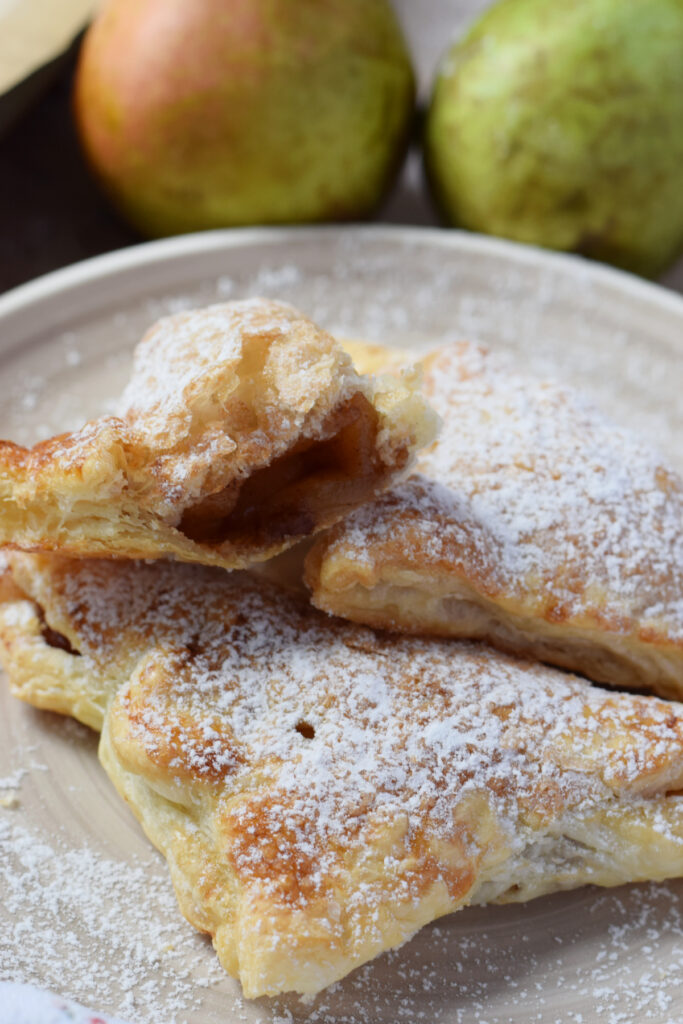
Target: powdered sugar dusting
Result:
[575, 958]
[239, 640]
[323, 737]
[216, 396]
[561, 489]
[178, 351]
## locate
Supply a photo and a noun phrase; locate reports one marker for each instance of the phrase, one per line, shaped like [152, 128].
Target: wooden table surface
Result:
[52, 213]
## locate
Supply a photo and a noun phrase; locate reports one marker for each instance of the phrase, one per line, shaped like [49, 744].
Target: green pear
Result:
[207, 113]
[561, 124]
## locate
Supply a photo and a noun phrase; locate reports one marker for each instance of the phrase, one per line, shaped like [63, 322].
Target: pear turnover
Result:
[533, 523]
[243, 429]
[321, 791]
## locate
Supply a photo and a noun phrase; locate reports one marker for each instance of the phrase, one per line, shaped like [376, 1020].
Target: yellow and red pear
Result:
[213, 113]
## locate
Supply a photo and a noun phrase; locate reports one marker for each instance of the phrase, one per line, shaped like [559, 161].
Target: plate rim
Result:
[177, 247]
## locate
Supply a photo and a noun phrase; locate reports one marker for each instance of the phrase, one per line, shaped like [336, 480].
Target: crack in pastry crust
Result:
[216, 454]
[533, 523]
[321, 791]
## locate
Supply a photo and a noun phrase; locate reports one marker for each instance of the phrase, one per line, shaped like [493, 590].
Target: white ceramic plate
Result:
[85, 905]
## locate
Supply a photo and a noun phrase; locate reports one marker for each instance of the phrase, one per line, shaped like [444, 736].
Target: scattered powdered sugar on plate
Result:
[109, 933]
[81, 924]
[613, 957]
[13, 781]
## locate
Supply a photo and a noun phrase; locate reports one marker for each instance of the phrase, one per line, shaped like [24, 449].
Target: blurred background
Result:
[52, 210]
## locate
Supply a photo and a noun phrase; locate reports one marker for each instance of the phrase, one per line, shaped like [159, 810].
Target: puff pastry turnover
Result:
[533, 522]
[321, 792]
[244, 428]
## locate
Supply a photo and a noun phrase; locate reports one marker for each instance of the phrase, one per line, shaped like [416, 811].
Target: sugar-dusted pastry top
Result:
[244, 428]
[533, 522]
[321, 791]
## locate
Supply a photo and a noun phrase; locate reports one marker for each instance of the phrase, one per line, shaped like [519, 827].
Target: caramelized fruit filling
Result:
[54, 639]
[299, 490]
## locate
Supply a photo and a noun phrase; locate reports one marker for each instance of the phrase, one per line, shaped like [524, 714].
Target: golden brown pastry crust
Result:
[244, 428]
[319, 791]
[533, 523]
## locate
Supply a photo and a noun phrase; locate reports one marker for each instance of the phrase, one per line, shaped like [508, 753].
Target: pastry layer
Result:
[533, 522]
[243, 429]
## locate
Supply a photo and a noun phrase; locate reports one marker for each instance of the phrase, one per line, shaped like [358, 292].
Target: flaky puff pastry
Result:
[243, 429]
[321, 792]
[533, 523]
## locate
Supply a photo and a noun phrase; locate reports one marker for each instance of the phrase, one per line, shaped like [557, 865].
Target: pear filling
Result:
[53, 638]
[312, 484]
